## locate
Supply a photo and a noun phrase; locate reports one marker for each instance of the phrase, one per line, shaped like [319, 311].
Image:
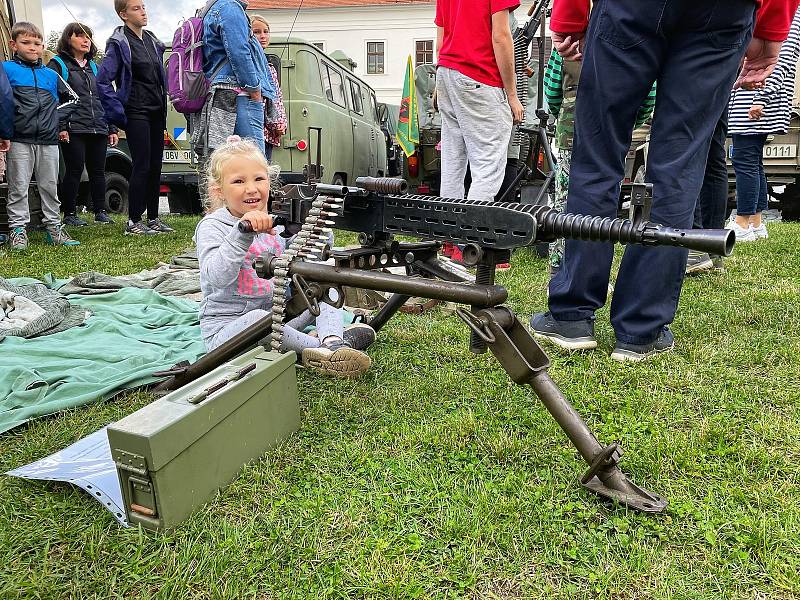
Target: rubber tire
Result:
[790, 203]
[184, 200]
[116, 193]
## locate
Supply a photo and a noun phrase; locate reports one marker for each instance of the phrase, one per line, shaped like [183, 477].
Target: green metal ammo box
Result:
[174, 454]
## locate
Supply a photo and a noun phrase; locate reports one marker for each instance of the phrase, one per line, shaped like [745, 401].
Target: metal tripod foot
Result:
[526, 363]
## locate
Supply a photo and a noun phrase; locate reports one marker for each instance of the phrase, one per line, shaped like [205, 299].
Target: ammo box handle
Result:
[215, 387]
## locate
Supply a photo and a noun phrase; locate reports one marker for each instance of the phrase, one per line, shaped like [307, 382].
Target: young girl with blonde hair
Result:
[234, 297]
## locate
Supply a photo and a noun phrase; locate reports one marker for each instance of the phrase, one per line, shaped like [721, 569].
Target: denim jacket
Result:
[231, 54]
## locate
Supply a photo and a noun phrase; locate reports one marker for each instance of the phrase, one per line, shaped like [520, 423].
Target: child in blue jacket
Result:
[34, 142]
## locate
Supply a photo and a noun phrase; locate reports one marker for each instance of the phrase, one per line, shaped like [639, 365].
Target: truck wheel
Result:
[184, 200]
[790, 203]
[116, 193]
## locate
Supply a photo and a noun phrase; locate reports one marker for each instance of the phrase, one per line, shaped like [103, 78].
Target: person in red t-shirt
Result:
[476, 93]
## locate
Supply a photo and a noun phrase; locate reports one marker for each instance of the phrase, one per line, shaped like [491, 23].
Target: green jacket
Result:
[560, 91]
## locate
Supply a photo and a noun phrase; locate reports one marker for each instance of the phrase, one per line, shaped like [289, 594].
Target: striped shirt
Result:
[776, 96]
[554, 91]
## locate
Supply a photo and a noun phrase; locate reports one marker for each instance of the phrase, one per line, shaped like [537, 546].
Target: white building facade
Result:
[378, 36]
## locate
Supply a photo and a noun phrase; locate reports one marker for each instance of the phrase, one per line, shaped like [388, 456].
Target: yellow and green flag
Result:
[407, 125]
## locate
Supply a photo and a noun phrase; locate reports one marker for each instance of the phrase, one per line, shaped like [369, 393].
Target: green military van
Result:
[319, 90]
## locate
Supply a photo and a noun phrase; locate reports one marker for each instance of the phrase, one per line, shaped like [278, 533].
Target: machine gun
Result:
[378, 209]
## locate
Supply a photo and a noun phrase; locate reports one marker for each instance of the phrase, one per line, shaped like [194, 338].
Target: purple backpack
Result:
[187, 86]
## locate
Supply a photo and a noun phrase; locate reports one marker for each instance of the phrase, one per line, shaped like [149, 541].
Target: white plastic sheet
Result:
[87, 463]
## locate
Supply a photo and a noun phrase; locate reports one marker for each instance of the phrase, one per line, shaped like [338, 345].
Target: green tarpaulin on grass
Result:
[131, 334]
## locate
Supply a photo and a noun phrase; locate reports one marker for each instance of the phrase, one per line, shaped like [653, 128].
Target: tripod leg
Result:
[526, 363]
[387, 311]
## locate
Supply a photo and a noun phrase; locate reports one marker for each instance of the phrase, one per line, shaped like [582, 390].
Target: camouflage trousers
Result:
[559, 201]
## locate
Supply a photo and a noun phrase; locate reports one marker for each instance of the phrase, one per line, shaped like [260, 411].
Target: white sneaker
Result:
[742, 234]
[760, 232]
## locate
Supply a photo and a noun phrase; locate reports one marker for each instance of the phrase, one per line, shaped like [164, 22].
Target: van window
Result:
[307, 79]
[374, 107]
[333, 85]
[275, 61]
[355, 97]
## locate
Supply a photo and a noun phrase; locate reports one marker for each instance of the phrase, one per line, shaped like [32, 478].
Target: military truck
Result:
[319, 90]
[781, 165]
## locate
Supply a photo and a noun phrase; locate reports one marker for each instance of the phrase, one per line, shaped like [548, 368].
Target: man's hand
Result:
[759, 61]
[569, 45]
[256, 96]
[517, 112]
[756, 112]
[435, 100]
[113, 139]
[5, 145]
[63, 136]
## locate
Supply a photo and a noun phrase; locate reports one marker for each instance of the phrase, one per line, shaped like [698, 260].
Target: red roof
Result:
[294, 4]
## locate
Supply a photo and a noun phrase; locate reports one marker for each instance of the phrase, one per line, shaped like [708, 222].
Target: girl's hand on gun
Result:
[260, 221]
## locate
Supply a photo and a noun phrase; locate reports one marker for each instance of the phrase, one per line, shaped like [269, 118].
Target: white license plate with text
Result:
[178, 156]
[780, 151]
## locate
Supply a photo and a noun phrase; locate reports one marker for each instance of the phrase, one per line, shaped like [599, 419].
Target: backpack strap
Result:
[93, 66]
[63, 65]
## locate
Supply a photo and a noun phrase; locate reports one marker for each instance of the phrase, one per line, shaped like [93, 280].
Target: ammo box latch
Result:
[137, 488]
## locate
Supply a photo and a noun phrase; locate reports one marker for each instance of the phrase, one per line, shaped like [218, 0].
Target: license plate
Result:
[178, 156]
[780, 151]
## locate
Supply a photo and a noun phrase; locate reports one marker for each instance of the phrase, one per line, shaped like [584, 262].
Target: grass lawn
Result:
[436, 477]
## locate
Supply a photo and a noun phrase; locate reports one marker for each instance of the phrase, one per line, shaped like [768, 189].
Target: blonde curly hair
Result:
[234, 147]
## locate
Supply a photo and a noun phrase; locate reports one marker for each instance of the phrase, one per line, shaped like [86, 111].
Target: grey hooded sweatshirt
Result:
[229, 284]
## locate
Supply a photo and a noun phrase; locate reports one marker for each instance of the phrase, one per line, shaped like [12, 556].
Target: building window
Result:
[424, 51]
[320, 45]
[375, 58]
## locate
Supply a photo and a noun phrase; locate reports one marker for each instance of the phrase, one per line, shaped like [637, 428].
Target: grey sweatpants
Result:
[476, 129]
[23, 161]
[329, 323]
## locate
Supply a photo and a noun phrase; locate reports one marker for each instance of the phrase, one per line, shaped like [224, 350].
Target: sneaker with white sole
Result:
[138, 228]
[742, 234]
[58, 236]
[637, 352]
[336, 358]
[697, 262]
[570, 335]
[359, 336]
[159, 226]
[760, 232]
[19, 239]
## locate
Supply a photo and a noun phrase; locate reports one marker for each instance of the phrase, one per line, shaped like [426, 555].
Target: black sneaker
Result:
[73, 220]
[636, 352]
[359, 336]
[159, 227]
[336, 358]
[570, 335]
[697, 262]
[103, 218]
[138, 228]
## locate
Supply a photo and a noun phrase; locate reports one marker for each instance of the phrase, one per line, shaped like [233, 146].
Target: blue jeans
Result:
[250, 120]
[751, 183]
[693, 49]
[712, 204]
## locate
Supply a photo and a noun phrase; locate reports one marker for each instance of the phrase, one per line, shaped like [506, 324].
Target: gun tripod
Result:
[492, 325]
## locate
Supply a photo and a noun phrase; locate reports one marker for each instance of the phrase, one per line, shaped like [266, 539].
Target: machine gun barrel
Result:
[383, 185]
[554, 224]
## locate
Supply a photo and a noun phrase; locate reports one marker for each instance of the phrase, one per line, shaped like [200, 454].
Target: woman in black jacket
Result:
[84, 137]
